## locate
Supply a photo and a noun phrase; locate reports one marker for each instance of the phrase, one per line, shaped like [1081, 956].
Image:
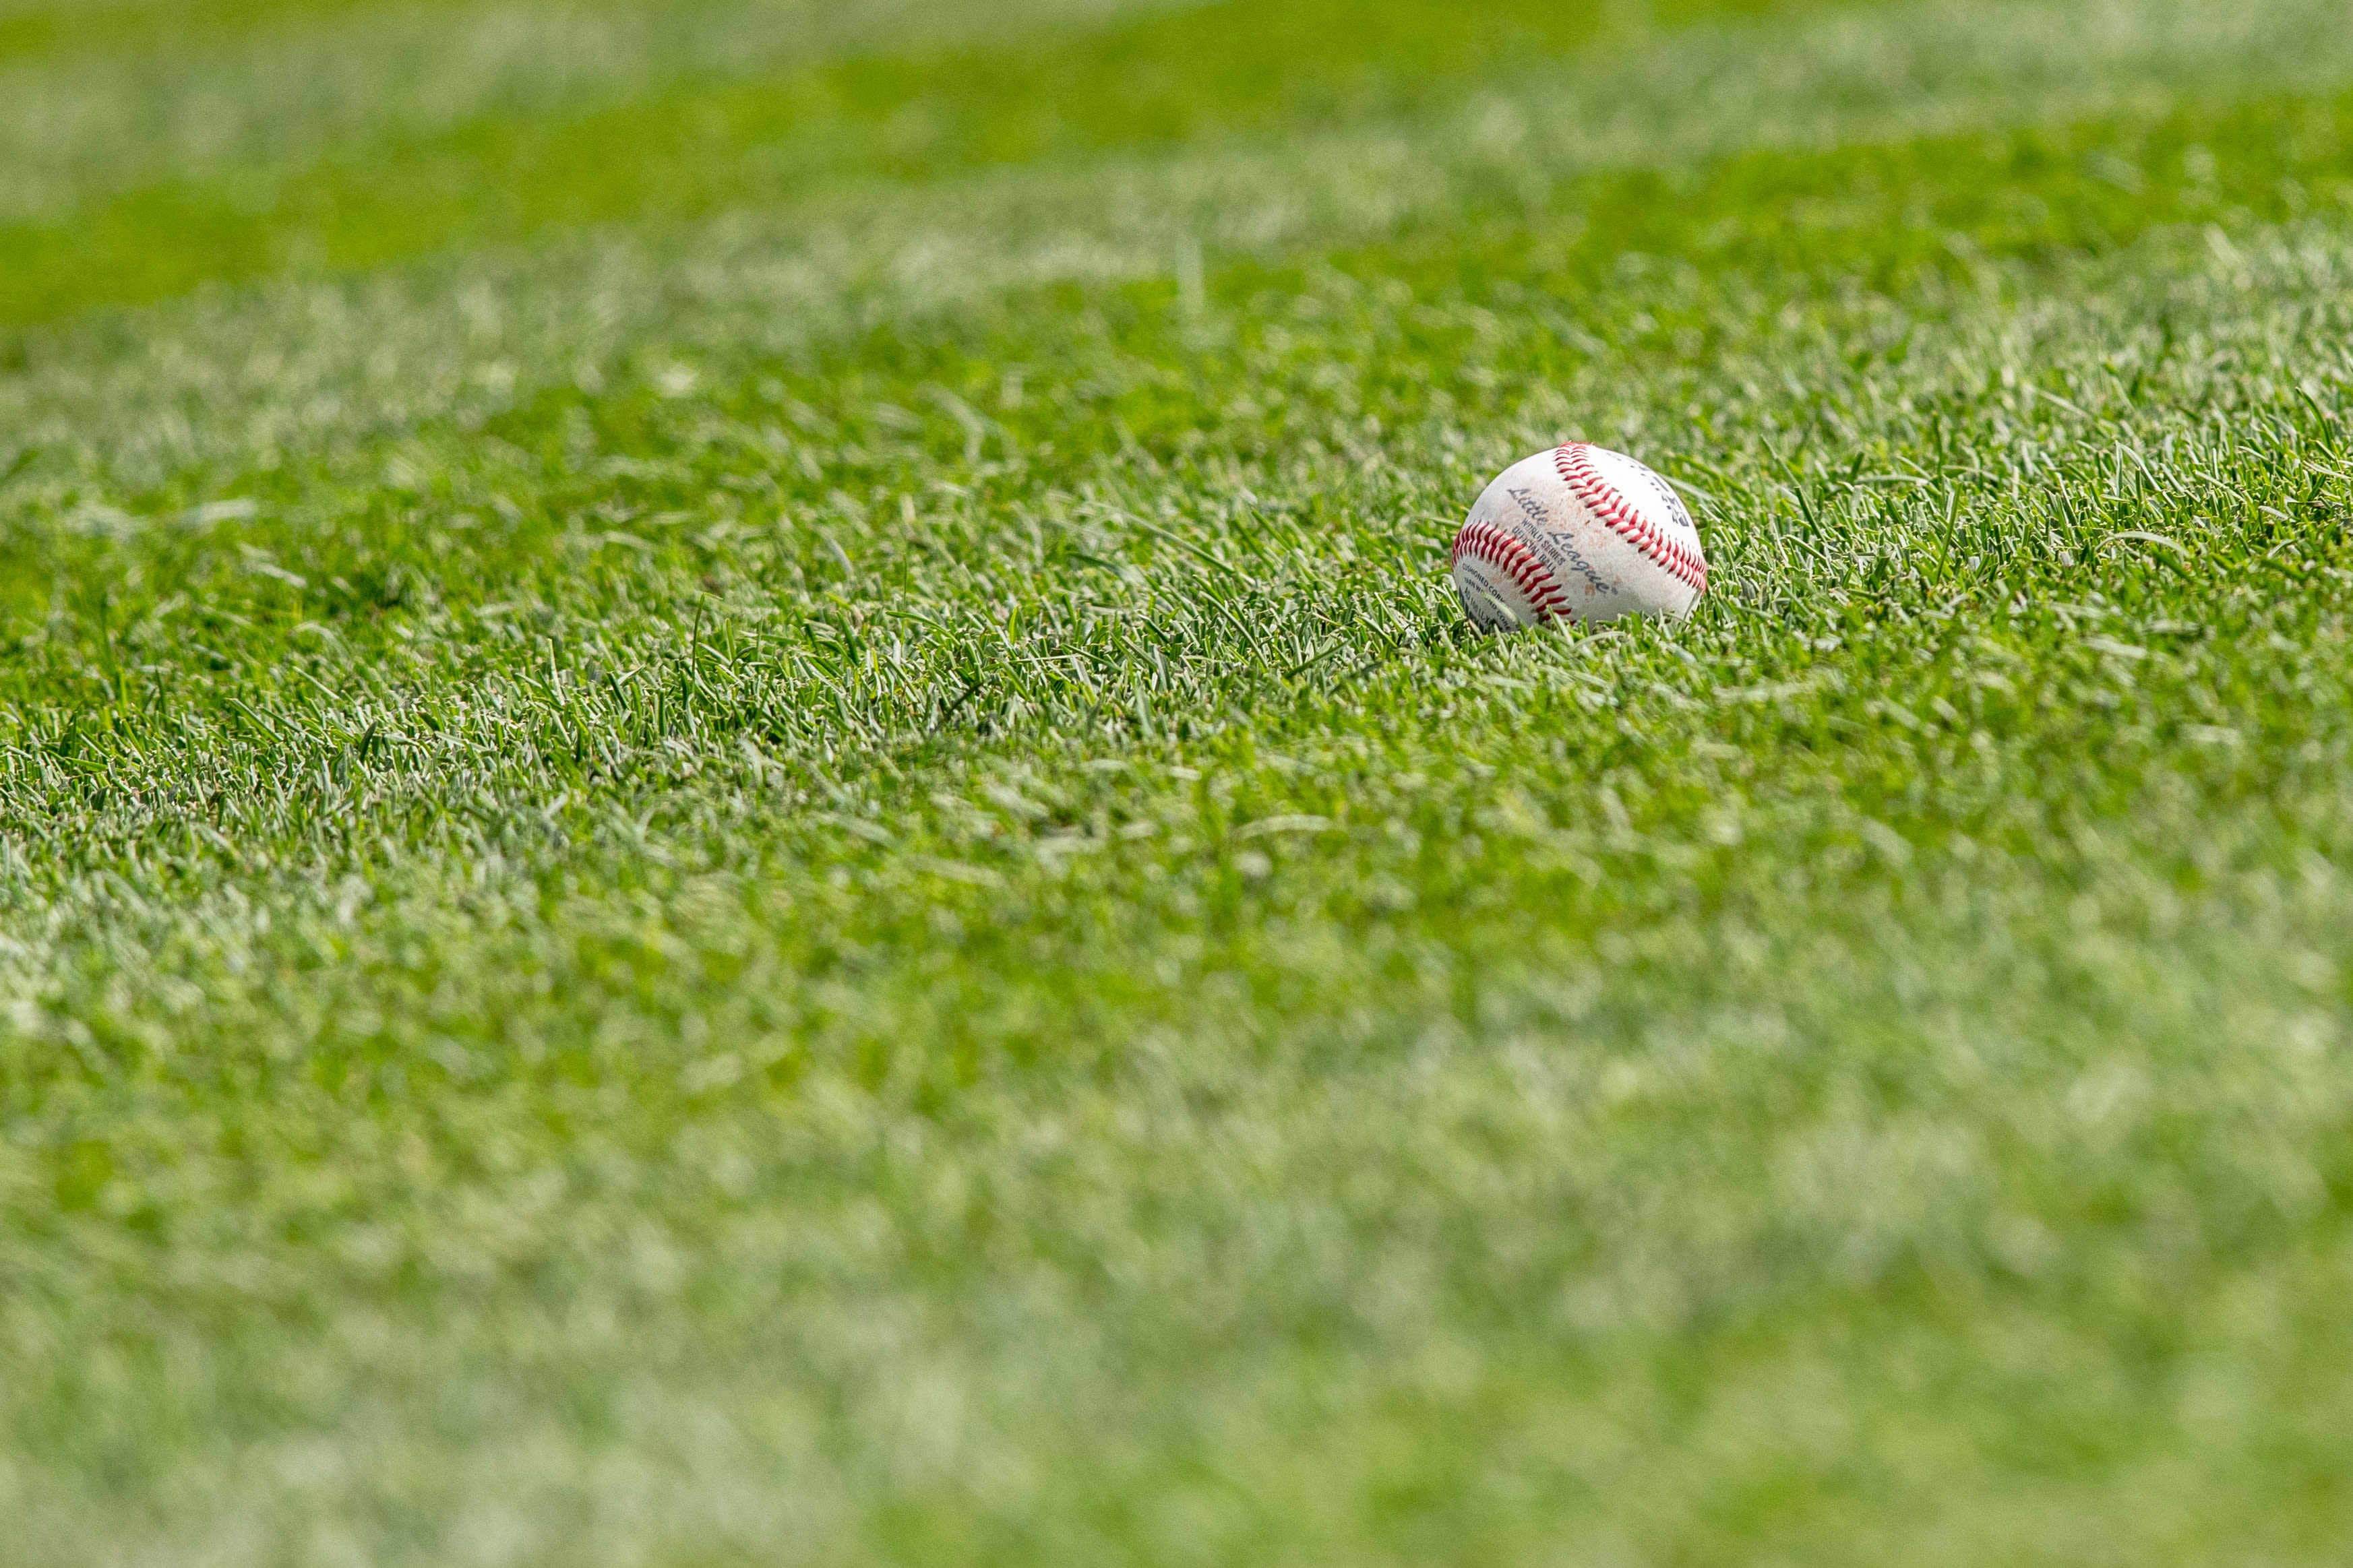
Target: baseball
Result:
[1577, 533]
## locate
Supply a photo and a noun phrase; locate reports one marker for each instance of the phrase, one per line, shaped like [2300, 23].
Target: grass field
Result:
[742, 821]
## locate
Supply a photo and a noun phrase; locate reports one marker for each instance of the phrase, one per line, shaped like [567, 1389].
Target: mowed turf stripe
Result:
[182, 101]
[229, 378]
[50, 33]
[45, 31]
[1233, 67]
[1884, 218]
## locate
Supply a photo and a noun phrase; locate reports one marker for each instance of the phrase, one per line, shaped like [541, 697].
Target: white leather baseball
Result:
[1582, 534]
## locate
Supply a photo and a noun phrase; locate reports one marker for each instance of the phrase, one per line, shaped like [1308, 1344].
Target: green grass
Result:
[1166, 76]
[813, 869]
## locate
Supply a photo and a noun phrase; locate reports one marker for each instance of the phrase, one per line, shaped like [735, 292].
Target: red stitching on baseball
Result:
[1514, 560]
[1575, 461]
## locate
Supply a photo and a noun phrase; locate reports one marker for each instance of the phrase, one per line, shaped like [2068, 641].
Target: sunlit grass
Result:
[834, 881]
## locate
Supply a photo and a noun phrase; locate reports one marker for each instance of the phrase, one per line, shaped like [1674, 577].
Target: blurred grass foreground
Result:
[741, 822]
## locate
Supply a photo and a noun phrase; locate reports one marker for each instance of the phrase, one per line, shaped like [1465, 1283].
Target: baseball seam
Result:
[1515, 561]
[1575, 461]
